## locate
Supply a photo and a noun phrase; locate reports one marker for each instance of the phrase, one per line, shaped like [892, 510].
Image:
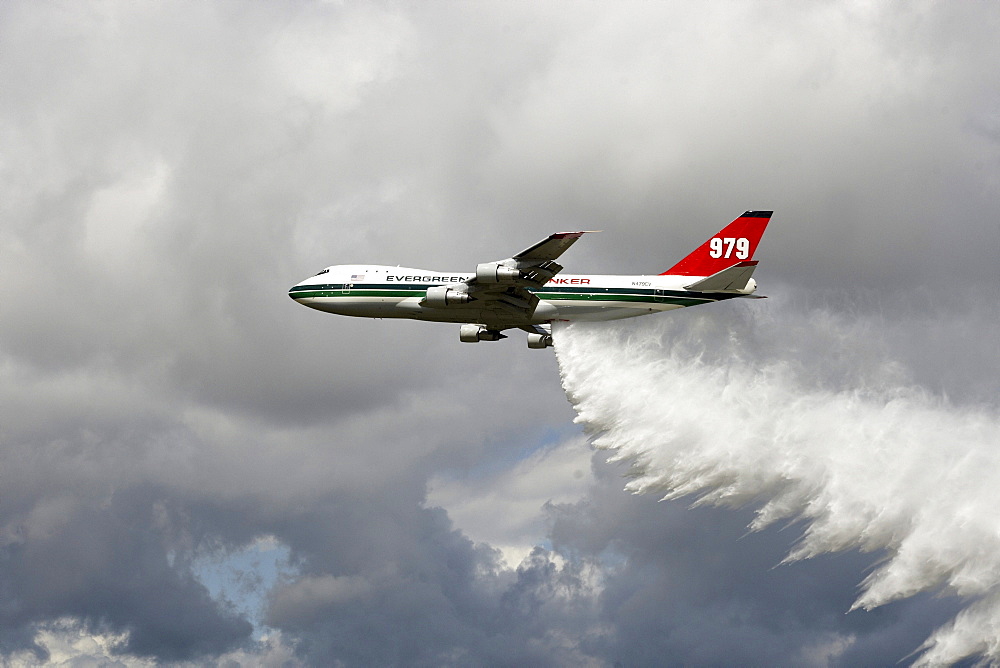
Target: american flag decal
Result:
[357, 277]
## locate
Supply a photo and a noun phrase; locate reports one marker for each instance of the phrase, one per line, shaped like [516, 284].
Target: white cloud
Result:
[507, 509]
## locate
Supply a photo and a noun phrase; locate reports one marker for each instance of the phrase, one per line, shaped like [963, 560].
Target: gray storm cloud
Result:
[168, 171]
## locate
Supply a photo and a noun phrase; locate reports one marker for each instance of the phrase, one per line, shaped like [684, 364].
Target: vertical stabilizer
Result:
[734, 243]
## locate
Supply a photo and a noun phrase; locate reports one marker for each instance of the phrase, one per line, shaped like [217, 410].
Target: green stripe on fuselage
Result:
[547, 293]
[617, 297]
[353, 292]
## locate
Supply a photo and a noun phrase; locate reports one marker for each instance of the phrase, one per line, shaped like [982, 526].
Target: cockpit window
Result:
[323, 272]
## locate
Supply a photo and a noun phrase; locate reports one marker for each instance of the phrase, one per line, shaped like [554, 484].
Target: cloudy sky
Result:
[193, 468]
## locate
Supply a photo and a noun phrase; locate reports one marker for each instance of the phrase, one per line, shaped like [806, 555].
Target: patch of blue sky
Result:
[242, 578]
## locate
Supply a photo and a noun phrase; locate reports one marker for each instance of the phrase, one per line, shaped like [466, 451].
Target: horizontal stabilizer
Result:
[733, 279]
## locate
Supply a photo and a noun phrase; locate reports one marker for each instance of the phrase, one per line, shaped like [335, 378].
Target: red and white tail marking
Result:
[734, 243]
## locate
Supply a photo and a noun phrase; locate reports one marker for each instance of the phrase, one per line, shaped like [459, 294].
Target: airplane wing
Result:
[551, 247]
[502, 286]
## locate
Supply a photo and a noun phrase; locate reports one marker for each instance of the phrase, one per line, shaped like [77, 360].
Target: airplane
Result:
[527, 291]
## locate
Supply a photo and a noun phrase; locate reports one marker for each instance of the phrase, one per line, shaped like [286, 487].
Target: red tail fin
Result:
[735, 243]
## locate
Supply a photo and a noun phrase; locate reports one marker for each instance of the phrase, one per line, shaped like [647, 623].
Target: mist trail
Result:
[797, 418]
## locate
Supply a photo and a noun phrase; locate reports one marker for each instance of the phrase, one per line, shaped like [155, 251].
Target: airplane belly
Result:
[607, 310]
[545, 311]
[362, 307]
[412, 308]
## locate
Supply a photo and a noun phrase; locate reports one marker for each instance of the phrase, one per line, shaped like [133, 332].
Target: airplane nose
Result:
[296, 292]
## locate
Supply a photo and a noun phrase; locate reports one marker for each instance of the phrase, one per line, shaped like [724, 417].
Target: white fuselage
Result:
[373, 291]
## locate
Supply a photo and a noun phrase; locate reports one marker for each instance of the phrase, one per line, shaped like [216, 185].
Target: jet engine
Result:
[477, 333]
[441, 296]
[539, 340]
[494, 272]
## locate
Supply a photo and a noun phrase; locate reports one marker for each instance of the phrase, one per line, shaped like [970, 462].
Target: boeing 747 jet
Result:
[527, 291]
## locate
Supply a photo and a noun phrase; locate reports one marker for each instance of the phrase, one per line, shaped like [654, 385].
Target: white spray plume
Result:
[804, 417]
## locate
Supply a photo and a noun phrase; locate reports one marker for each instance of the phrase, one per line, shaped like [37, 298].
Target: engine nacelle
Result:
[441, 296]
[539, 340]
[750, 288]
[494, 272]
[477, 333]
